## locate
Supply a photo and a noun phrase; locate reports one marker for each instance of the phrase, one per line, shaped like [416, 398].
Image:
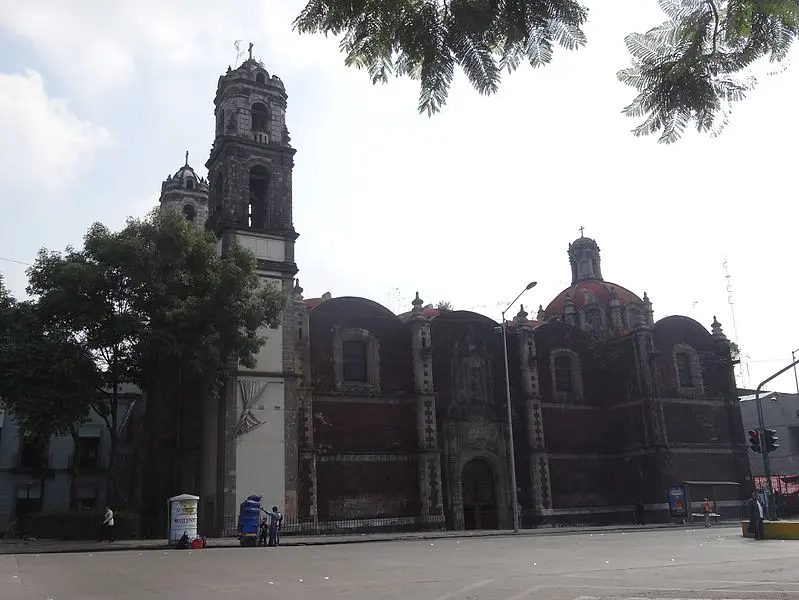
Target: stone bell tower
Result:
[251, 432]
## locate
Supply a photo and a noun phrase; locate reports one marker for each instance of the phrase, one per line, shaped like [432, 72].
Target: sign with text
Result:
[677, 501]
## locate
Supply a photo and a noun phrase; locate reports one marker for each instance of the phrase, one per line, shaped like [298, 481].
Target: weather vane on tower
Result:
[581, 231]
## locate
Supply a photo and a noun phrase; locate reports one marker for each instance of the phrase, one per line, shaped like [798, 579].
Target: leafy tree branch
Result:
[688, 70]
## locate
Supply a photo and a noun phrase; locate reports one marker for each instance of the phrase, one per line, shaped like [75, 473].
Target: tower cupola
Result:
[186, 192]
[584, 259]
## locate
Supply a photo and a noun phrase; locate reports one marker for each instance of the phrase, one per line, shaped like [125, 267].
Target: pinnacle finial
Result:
[250, 50]
[540, 315]
[717, 331]
[522, 315]
[582, 230]
[187, 159]
[418, 303]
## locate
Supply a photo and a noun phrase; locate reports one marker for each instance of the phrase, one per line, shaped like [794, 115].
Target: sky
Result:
[100, 101]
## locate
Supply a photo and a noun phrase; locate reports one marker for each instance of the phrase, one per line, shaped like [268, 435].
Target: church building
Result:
[357, 415]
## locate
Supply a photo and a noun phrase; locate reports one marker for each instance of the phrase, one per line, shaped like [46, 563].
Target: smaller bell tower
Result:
[187, 193]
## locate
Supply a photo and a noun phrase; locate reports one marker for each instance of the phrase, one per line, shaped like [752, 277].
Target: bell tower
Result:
[251, 431]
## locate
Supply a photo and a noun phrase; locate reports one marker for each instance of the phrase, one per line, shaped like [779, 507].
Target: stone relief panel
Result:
[251, 392]
[472, 382]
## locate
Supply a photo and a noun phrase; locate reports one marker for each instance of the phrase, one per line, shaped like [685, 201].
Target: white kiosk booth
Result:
[182, 517]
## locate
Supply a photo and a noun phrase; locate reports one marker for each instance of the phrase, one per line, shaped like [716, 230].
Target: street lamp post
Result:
[511, 449]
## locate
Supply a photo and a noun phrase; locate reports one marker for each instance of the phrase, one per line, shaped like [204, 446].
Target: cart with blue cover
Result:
[249, 520]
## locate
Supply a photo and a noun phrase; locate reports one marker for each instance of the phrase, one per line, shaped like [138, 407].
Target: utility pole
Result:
[762, 429]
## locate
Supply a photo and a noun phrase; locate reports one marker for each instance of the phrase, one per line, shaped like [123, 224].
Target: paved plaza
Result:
[679, 564]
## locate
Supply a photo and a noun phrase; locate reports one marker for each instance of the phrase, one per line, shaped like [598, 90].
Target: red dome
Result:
[584, 292]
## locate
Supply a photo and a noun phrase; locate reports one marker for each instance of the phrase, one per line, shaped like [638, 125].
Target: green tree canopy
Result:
[49, 381]
[154, 304]
[688, 70]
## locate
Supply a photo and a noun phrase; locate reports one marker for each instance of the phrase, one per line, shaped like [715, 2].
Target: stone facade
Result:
[404, 417]
[357, 417]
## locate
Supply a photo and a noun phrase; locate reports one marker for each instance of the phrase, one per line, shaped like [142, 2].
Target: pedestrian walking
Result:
[707, 509]
[640, 513]
[756, 516]
[107, 530]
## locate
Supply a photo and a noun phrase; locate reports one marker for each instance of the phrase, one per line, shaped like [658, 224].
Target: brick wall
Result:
[696, 424]
[575, 430]
[396, 366]
[364, 427]
[367, 489]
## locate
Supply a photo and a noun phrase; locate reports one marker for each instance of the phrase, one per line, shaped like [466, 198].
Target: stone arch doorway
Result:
[479, 495]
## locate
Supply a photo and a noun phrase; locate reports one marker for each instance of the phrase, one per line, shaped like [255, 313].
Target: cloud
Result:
[42, 143]
[119, 43]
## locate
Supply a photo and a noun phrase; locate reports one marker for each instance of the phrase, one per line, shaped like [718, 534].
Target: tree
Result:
[686, 70]
[156, 306]
[49, 382]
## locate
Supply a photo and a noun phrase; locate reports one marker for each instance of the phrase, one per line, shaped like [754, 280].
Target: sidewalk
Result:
[57, 546]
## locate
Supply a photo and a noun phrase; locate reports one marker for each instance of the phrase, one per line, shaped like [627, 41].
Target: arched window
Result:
[189, 183]
[684, 370]
[354, 361]
[260, 78]
[563, 374]
[189, 212]
[260, 118]
[567, 378]
[356, 355]
[257, 217]
[688, 370]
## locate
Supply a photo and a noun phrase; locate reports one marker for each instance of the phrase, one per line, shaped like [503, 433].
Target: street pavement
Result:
[34, 546]
[714, 563]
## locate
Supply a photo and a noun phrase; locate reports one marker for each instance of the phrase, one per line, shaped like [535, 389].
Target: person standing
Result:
[107, 531]
[707, 509]
[756, 516]
[275, 522]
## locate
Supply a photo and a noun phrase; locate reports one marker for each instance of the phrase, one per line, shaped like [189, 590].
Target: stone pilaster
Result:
[539, 457]
[429, 460]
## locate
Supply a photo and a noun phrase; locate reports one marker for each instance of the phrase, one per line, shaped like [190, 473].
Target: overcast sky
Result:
[100, 100]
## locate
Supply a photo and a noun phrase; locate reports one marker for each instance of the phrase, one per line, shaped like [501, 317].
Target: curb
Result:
[322, 541]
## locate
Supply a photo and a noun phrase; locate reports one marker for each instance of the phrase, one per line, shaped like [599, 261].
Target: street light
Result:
[512, 450]
[793, 360]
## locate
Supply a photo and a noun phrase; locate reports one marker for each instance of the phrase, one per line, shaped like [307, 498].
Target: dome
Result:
[588, 292]
[584, 242]
[185, 179]
[592, 303]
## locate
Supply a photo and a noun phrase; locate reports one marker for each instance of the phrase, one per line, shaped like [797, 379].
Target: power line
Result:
[19, 262]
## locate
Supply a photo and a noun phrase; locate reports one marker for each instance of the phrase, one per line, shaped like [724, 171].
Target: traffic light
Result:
[772, 441]
[754, 440]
